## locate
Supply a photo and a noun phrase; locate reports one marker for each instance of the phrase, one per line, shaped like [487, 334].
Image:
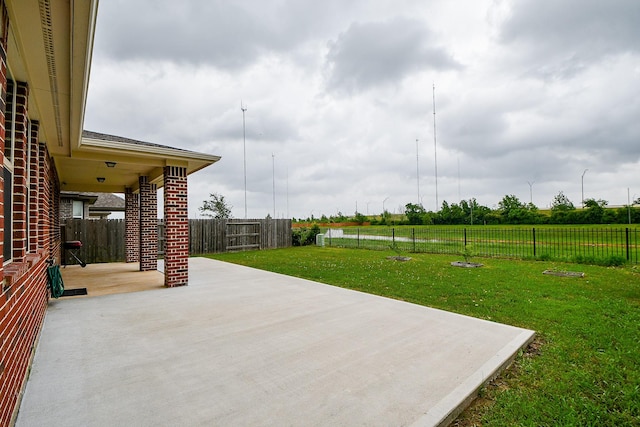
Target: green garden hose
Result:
[55, 281]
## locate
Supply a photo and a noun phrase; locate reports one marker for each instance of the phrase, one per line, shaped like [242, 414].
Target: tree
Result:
[561, 203]
[216, 207]
[360, 219]
[594, 211]
[513, 211]
[414, 213]
[563, 211]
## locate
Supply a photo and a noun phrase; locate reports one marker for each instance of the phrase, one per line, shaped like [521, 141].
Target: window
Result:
[78, 209]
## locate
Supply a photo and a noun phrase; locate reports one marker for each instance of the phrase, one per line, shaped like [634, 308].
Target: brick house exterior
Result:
[89, 205]
[45, 59]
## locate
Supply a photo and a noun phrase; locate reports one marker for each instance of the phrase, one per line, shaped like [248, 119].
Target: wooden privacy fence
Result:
[227, 235]
[104, 240]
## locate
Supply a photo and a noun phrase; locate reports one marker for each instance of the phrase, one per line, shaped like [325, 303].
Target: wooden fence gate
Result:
[242, 236]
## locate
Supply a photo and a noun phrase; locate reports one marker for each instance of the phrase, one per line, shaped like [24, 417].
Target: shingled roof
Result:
[114, 138]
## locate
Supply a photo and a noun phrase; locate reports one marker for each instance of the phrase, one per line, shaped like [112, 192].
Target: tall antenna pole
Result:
[288, 192]
[244, 150]
[435, 150]
[418, 171]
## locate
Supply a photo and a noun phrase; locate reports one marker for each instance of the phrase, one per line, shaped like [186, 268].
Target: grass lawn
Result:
[584, 367]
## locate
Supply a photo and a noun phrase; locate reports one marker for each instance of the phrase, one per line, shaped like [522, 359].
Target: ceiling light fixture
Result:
[100, 179]
[110, 164]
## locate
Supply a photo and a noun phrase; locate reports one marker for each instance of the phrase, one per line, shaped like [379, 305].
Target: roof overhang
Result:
[132, 159]
[49, 46]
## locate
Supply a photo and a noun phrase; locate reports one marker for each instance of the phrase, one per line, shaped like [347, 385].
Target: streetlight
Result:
[244, 150]
[585, 171]
[383, 204]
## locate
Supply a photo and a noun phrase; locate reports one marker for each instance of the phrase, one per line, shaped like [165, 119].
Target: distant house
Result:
[89, 205]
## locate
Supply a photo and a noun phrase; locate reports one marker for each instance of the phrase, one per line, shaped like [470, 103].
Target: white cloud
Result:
[525, 91]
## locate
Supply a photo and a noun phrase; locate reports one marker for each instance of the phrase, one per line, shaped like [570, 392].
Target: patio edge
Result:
[460, 398]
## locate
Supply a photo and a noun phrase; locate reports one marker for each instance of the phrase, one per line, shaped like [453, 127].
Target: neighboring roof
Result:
[108, 202]
[74, 195]
[98, 202]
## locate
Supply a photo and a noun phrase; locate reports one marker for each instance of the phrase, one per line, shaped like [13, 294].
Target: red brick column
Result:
[148, 225]
[176, 220]
[55, 237]
[132, 225]
[20, 174]
[34, 188]
[44, 189]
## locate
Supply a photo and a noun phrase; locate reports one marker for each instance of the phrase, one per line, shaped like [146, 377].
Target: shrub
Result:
[609, 261]
[304, 236]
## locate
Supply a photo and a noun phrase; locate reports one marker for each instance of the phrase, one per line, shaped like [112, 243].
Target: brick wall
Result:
[23, 280]
[66, 208]
[176, 255]
[24, 296]
[22, 306]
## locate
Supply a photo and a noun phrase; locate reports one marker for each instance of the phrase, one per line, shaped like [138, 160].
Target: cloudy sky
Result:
[337, 93]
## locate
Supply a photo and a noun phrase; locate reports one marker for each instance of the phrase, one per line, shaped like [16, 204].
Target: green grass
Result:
[584, 367]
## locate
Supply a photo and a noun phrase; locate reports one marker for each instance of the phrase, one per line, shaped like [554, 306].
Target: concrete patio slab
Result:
[111, 278]
[244, 347]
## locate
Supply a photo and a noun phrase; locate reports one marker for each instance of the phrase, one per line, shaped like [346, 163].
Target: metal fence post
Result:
[627, 238]
[465, 237]
[413, 234]
[534, 241]
[358, 236]
[393, 236]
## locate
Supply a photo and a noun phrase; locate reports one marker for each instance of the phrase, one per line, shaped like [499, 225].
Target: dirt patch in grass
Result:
[399, 258]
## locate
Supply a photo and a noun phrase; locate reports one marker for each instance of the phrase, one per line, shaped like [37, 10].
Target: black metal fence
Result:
[597, 245]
